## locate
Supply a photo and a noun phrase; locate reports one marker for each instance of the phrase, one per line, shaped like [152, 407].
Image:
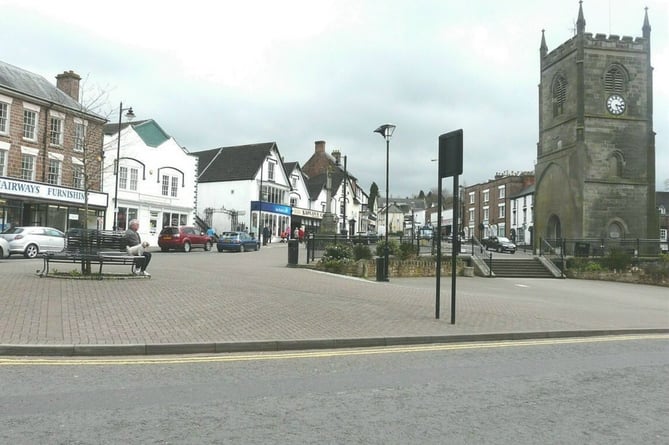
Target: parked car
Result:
[4, 248]
[33, 240]
[237, 242]
[365, 238]
[499, 244]
[183, 238]
[425, 232]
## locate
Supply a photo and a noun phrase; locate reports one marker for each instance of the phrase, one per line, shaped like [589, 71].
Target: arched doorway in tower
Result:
[554, 228]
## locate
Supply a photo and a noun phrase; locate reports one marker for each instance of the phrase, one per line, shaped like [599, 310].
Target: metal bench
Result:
[88, 247]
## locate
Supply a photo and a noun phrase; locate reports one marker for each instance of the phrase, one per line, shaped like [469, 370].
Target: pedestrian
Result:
[300, 234]
[265, 235]
[296, 233]
[133, 239]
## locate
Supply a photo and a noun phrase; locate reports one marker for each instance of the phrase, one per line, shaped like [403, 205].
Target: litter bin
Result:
[381, 269]
[293, 251]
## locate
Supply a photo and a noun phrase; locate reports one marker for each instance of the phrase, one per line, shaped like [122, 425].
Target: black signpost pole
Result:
[450, 164]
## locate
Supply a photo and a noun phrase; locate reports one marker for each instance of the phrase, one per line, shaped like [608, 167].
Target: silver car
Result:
[4, 248]
[31, 241]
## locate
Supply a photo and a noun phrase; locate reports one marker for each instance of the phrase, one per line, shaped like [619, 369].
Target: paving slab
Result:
[201, 302]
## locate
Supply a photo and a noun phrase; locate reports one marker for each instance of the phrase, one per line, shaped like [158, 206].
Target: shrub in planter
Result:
[393, 247]
[618, 259]
[338, 251]
[362, 252]
[336, 258]
[407, 251]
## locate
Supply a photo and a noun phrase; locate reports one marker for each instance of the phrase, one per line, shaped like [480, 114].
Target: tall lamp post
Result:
[386, 130]
[129, 115]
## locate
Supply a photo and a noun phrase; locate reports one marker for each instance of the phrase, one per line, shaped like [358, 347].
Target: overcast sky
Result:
[221, 73]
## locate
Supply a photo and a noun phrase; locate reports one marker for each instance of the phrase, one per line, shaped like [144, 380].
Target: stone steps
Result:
[519, 268]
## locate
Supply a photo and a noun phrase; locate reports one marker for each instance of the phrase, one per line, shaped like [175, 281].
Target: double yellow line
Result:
[141, 360]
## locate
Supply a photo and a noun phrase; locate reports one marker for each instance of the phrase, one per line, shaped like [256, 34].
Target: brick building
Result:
[486, 207]
[50, 153]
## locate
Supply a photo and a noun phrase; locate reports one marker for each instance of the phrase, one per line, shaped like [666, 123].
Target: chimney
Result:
[68, 82]
[320, 146]
[337, 155]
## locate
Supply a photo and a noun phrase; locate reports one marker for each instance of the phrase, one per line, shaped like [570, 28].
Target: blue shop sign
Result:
[271, 207]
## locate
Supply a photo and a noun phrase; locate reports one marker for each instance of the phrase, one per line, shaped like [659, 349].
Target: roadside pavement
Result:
[207, 302]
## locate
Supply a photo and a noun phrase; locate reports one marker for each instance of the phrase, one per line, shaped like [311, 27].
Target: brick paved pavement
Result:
[210, 301]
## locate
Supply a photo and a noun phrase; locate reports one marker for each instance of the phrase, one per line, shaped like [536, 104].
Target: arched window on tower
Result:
[616, 164]
[616, 231]
[559, 93]
[615, 79]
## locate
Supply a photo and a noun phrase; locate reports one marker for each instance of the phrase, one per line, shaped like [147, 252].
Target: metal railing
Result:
[553, 251]
[592, 247]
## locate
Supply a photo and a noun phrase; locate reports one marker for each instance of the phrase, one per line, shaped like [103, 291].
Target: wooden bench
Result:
[90, 246]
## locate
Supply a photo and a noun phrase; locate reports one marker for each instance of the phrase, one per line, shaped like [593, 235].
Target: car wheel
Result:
[242, 248]
[219, 249]
[207, 246]
[499, 249]
[186, 247]
[31, 251]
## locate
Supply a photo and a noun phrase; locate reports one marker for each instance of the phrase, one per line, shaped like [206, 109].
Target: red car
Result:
[183, 238]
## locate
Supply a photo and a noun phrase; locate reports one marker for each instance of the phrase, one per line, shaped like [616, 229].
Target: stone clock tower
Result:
[595, 171]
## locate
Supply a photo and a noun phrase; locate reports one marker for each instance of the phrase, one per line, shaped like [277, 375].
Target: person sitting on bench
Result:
[134, 239]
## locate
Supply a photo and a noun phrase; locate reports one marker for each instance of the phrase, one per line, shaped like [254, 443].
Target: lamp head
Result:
[386, 130]
[130, 115]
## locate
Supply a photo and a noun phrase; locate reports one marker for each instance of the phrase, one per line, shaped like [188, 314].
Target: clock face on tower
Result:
[615, 104]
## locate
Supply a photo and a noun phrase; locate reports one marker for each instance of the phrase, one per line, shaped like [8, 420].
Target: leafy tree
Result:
[373, 194]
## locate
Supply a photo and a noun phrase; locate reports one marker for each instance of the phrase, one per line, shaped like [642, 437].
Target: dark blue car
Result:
[236, 242]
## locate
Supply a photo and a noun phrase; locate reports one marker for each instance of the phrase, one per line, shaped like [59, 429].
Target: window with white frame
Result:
[293, 181]
[502, 191]
[78, 176]
[486, 195]
[174, 187]
[270, 171]
[29, 125]
[166, 185]
[134, 174]
[28, 167]
[79, 135]
[501, 208]
[56, 129]
[471, 198]
[53, 175]
[3, 162]
[123, 177]
[663, 235]
[4, 116]
[486, 214]
[471, 215]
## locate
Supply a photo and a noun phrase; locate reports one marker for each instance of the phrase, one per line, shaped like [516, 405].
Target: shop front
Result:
[306, 219]
[25, 203]
[276, 217]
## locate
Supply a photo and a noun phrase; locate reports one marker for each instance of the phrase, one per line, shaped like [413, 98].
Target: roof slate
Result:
[236, 163]
[31, 84]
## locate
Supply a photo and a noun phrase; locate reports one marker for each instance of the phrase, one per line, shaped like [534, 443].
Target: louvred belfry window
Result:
[615, 80]
[559, 95]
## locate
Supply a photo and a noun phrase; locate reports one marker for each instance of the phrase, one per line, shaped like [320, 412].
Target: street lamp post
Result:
[129, 115]
[386, 130]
